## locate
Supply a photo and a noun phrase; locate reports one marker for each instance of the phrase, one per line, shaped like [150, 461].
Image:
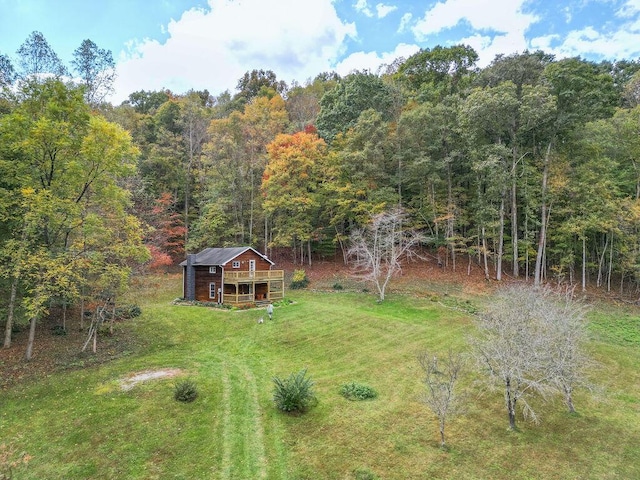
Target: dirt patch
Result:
[134, 379]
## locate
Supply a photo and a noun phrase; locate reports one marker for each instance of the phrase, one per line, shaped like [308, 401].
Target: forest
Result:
[526, 168]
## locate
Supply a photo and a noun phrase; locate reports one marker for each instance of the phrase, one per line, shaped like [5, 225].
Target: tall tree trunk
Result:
[511, 405]
[484, 254]
[610, 264]
[601, 262]
[500, 240]
[12, 306]
[82, 309]
[451, 217]
[537, 279]
[514, 216]
[32, 336]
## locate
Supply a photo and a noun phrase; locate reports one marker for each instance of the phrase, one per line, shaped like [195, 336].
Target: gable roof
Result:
[221, 256]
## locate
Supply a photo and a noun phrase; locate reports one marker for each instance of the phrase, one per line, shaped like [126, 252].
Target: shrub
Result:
[185, 391]
[337, 286]
[299, 280]
[357, 391]
[128, 311]
[58, 330]
[294, 394]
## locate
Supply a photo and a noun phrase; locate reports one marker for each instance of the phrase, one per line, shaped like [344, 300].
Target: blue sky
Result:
[183, 44]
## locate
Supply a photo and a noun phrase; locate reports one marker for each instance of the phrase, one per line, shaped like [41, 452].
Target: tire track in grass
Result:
[243, 448]
[255, 436]
[225, 468]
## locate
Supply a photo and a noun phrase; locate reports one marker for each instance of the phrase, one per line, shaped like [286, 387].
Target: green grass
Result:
[81, 425]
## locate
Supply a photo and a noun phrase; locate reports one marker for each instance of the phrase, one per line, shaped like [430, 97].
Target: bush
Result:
[337, 286]
[357, 391]
[128, 311]
[299, 280]
[185, 391]
[58, 330]
[294, 394]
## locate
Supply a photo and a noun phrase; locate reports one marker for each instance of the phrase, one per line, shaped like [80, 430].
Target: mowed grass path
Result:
[82, 425]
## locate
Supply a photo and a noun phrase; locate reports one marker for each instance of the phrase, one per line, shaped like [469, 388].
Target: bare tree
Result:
[378, 248]
[531, 340]
[440, 378]
[564, 323]
[510, 346]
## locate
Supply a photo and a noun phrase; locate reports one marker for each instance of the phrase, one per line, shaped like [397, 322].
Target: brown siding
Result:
[261, 264]
[203, 279]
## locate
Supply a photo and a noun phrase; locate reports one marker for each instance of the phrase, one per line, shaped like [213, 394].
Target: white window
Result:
[212, 290]
[236, 264]
[212, 269]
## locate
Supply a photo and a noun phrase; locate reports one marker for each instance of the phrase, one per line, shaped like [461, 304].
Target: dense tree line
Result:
[527, 168]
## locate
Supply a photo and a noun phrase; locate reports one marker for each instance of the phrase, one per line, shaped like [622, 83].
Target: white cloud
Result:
[363, 7]
[372, 60]
[618, 39]
[213, 48]
[623, 43]
[630, 9]
[499, 25]
[405, 21]
[496, 15]
[384, 10]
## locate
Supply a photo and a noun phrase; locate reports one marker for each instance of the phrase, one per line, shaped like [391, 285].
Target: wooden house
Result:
[233, 276]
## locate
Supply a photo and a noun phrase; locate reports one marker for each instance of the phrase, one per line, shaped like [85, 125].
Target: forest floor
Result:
[54, 352]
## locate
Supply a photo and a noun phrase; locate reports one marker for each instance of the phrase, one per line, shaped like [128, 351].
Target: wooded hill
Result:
[527, 167]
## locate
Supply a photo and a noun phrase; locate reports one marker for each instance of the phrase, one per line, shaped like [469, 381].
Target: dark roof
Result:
[221, 256]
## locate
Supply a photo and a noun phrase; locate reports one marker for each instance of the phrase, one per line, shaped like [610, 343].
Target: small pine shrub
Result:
[337, 286]
[58, 330]
[185, 391]
[357, 391]
[299, 280]
[294, 394]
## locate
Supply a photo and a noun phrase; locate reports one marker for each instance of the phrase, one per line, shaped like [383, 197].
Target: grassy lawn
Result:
[81, 424]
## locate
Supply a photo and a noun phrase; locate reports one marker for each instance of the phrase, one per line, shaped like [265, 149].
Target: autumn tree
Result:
[293, 188]
[378, 249]
[235, 159]
[69, 163]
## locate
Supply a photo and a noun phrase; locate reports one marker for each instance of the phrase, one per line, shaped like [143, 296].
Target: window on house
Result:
[236, 264]
[212, 269]
[212, 290]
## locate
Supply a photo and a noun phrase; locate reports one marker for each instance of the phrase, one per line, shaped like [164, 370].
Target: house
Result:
[233, 276]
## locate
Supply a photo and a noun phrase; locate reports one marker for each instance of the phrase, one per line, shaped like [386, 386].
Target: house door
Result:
[252, 267]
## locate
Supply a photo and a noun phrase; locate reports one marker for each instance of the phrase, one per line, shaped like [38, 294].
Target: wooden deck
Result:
[256, 276]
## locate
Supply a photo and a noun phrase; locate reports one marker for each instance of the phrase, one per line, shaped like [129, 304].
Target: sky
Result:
[210, 44]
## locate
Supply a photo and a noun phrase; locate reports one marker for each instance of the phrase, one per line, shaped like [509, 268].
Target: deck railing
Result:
[255, 275]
